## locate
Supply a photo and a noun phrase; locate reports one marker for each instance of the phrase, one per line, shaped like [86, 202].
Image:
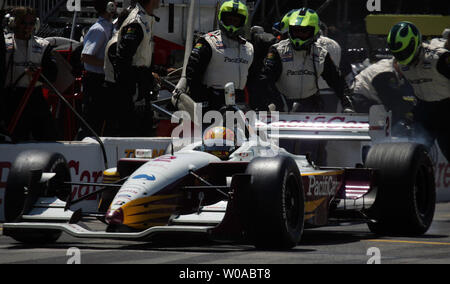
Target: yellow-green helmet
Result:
[404, 41]
[236, 8]
[307, 20]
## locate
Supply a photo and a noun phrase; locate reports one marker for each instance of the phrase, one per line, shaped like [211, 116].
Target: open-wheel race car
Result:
[259, 193]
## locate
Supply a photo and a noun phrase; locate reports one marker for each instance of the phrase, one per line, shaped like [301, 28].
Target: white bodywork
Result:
[156, 174]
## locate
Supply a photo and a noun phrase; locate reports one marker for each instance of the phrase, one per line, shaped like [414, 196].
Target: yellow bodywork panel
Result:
[429, 25]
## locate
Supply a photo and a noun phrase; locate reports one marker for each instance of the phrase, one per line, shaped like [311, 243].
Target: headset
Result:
[111, 7]
[11, 23]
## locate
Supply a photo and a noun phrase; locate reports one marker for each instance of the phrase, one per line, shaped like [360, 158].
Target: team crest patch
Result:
[198, 45]
[130, 31]
[9, 47]
[288, 57]
[220, 45]
[36, 48]
[270, 56]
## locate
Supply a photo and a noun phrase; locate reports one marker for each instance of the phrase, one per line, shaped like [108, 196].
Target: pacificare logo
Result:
[235, 60]
[298, 72]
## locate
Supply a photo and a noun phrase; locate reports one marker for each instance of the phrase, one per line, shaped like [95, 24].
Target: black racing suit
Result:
[261, 44]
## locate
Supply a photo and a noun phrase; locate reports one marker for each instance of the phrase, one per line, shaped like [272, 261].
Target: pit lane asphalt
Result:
[340, 244]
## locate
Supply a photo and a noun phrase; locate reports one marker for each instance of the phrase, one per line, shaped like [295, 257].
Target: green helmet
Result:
[303, 28]
[234, 8]
[404, 41]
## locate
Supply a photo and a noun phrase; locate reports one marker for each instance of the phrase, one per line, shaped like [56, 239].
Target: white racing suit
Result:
[215, 61]
[36, 121]
[290, 76]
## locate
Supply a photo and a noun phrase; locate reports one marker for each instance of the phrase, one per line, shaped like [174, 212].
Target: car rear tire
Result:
[15, 194]
[406, 196]
[276, 204]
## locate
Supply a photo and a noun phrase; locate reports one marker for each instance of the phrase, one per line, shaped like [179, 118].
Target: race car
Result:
[252, 191]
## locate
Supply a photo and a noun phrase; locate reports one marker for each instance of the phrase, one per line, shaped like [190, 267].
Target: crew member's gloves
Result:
[272, 107]
[347, 104]
[180, 88]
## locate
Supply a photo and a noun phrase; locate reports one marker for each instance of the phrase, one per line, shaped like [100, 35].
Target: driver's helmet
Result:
[303, 28]
[233, 16]
[404, 41]
[220, 142]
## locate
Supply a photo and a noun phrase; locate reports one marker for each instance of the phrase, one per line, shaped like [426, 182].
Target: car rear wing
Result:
[374, 126]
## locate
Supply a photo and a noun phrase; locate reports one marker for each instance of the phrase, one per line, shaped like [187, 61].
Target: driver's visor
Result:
[233, 19]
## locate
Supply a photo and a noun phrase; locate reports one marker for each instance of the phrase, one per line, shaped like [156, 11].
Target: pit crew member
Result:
[220, 57]
[95, 97]
[382, 84]
[133, 72]
[261, 41]
[293, 66]
[24, 54]
[442, 41]
[427, 68]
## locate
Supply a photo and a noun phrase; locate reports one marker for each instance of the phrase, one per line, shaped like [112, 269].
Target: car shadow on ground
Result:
[188, 242]
[191, 242]
[333, 237]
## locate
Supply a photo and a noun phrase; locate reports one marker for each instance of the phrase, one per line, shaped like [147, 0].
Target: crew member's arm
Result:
[270, 74]
[49, 67]
[93, 41]
[337, 82]
[91, 60]
[261, 45]
[195, 70]
[443, 65]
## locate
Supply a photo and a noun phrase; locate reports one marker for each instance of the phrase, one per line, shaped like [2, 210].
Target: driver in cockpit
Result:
[220, 142]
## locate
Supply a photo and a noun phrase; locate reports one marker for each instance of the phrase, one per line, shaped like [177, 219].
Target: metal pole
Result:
[62, 98]
[23, 102]
[72, 32]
